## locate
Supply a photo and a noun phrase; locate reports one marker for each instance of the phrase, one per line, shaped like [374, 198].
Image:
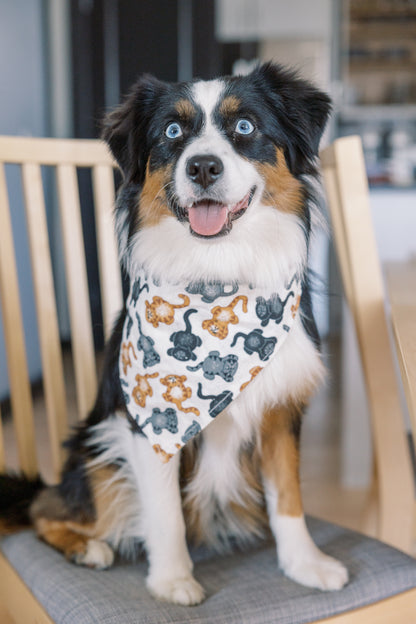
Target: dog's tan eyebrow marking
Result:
[185, 108]
[229, 105]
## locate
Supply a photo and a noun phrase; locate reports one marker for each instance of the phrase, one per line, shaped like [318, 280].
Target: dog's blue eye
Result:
[244, 126]
[173, 131]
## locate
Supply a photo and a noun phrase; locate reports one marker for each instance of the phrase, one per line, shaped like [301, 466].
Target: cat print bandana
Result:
[189, 349]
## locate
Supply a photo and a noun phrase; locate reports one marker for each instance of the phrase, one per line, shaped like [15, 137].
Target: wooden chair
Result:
[37, 584]
[65, 156]
[348, 202]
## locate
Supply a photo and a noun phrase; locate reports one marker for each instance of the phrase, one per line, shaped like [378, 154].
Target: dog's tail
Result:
[17, 493]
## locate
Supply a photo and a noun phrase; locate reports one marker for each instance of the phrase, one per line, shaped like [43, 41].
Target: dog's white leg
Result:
[299, 557]
[163, 528]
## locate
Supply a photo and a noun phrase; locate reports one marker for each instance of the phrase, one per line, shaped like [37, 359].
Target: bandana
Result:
[189, 349]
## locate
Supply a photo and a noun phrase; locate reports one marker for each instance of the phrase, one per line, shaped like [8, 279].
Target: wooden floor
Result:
[320, 456]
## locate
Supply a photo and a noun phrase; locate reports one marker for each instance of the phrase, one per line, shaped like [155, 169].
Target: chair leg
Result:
[370, 523]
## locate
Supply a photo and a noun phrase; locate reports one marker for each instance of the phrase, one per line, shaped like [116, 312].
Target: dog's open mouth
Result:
[209, 218]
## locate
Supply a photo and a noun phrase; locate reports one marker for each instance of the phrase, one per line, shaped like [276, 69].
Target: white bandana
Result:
[188, 351]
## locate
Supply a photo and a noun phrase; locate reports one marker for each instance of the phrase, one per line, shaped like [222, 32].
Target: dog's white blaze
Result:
[207, 94]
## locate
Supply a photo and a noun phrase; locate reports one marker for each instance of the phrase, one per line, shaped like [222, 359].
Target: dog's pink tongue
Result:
[207, 219]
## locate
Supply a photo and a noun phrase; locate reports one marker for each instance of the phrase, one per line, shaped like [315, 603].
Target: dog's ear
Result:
[301, 110]
[125, 128]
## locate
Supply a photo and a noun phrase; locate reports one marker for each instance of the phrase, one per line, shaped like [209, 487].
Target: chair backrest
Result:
[65, 156]
[346, 185]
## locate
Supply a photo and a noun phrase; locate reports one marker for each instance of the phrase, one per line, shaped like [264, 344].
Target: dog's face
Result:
[213, 182]
[208, 154]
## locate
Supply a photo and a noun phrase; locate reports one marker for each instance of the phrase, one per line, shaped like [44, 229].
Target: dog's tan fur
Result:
[283, 190]
[153, 206]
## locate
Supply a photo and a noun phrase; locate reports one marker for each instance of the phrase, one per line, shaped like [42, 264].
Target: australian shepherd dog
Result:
[217, 192]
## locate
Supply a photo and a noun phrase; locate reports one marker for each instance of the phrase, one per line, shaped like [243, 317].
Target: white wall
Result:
[240, 20]
[394, 218]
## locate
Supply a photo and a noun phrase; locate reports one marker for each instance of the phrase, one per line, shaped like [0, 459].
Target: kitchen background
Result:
[63, 63]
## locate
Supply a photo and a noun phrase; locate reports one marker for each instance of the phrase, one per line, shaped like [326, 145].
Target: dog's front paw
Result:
[97, 554]
[318, 571]
[180, 590]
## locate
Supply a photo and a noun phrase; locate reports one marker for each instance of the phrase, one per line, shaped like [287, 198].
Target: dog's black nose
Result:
[204, 169]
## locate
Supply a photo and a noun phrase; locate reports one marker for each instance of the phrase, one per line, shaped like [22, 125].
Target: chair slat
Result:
[367, 301]
[80, 152]
[21, 398]
[78, 298]
[2, 454]
[110, 278]
[53, 374]
[332, 190]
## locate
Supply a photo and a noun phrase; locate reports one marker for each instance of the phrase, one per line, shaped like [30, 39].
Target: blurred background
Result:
[64, 63]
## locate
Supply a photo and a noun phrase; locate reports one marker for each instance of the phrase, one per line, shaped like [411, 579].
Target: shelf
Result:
[370, 32]
[387, 112]
[359, 66]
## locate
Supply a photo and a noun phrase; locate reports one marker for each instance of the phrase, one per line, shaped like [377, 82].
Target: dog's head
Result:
[207, 154]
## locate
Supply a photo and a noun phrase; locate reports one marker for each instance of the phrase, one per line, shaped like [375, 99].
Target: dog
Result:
[217, 190]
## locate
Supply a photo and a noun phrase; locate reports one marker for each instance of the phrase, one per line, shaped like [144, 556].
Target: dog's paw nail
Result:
[184, 591]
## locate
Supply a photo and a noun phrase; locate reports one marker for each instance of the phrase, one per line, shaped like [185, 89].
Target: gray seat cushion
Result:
[244, 588]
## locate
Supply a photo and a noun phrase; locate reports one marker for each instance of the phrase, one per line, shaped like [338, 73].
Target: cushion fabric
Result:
[242, 588]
